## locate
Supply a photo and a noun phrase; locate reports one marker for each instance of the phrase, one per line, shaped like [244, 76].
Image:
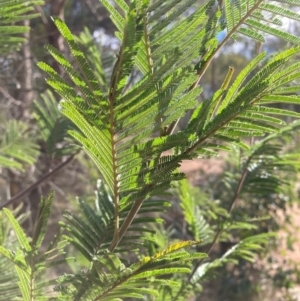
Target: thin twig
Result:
[93, 10]
[233, 201]
[230, 209]
[43, 17]
[26, 191]
[202, 70]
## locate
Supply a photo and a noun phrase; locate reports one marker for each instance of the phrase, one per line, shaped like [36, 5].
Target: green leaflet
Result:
[41, 223]
[18, 230]
[248, 17]
[17, 147]
[13, 12]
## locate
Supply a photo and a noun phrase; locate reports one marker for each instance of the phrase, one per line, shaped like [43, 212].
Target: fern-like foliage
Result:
[17, 147]
[100, 64]
[125, 120]
[208, 226]
[267, 168]
[255, 18]
[119, 127]
[53, 126]
[28, 258]
[261, 182]
[112, 280]
[8, 278]
[260, 177]
[198, 226]
[91, 233]
[246, 249]
[12, 12]
[126, 125]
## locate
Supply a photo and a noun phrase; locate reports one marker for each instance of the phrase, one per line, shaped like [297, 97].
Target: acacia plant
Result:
[125, 120]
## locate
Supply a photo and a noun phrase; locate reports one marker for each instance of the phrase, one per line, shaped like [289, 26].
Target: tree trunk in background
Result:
[25, 95]
[23, 74]
[24, 91]
[55, 39]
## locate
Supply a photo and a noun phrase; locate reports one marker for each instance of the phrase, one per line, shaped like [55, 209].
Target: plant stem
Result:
[26, 191]
[230, 209]
[127, 222]
[219, 232]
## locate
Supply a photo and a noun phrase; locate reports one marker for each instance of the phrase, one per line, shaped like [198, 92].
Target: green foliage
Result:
[17, 147]
[8, 278]
[53, 126]
[101, 65]
[92, 232]
[118, 127]
[29, 259]
[125, 120]
[254, 18]
[112, 280]
[197, 223]
[217, 225]
[12, 12]
[255, 184]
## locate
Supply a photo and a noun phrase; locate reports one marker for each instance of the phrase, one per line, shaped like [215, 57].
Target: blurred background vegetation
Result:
[23, 92]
